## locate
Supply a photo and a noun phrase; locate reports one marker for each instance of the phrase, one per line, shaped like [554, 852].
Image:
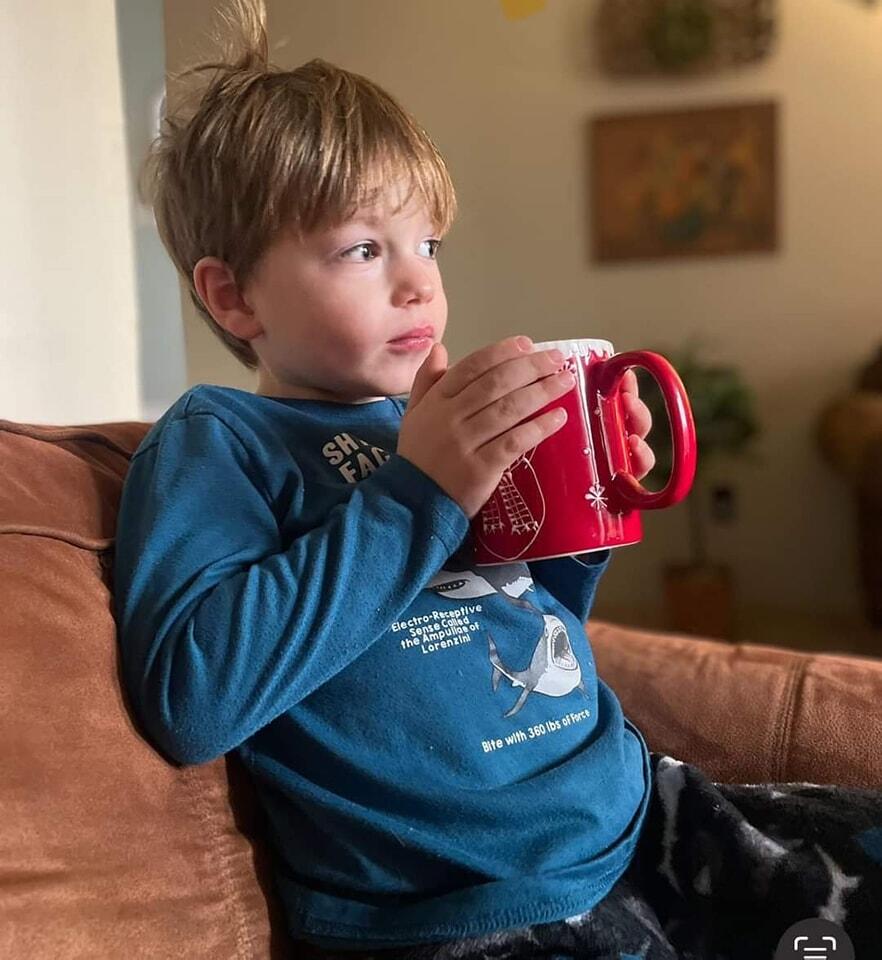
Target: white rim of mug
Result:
[577, 347]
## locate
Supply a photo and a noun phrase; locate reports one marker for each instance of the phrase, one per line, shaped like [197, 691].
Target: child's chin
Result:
[375, 389]
[394, 386]
[391, 380]
[395, 389]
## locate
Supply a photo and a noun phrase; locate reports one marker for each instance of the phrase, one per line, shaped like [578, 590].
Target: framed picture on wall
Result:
[684, 183]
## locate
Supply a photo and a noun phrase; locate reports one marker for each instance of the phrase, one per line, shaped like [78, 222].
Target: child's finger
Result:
[629, 383]
[430, 372]
[642, 457]
[637, 415]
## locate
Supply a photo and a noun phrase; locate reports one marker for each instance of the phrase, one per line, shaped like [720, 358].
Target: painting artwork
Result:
[685, 183]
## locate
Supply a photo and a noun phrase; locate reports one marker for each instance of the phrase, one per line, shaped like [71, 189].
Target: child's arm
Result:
[222, 626]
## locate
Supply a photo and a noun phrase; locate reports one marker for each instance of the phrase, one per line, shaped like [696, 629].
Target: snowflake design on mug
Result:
[595, 496]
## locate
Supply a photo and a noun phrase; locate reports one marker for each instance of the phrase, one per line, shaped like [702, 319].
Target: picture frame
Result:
[692, 182]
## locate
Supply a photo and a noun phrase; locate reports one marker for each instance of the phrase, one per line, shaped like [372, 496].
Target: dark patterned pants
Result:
[720, 873]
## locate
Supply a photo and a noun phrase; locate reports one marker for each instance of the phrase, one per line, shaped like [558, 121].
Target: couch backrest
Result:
[747, 713]
[106, 850]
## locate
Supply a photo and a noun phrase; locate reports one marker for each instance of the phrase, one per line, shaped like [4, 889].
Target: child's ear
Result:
[218, 290]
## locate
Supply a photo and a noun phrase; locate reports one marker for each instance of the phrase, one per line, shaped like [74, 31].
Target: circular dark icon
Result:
[815, 940]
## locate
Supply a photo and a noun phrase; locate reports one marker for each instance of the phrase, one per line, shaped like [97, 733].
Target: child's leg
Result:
[720, 873]
[729, 868]
[620, 927]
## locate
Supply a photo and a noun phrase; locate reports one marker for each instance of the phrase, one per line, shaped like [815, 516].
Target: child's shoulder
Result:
[238, 411]
[210, 398]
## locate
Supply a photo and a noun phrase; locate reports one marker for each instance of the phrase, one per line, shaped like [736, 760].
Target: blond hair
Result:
[266, 149]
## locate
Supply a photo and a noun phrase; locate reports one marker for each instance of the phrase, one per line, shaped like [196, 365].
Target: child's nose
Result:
[413, 286]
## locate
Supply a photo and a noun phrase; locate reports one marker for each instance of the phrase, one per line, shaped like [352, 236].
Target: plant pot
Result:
[699, 599]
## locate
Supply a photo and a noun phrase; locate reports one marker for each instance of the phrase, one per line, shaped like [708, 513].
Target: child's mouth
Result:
[419, 338]
[411, 343]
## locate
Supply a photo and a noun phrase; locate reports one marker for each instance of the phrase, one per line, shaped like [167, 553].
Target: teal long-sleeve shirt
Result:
[434, 750]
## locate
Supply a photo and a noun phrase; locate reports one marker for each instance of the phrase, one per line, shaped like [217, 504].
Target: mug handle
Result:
[605, 378]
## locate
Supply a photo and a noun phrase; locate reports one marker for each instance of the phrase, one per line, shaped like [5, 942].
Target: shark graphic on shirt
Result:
[554, 669]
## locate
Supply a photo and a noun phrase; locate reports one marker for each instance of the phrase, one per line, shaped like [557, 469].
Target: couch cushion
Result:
[65, 481]
[106, 850]
[748, 714]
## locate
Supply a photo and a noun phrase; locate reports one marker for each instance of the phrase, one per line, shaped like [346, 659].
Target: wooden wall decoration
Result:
[684, 183]
[652, 37]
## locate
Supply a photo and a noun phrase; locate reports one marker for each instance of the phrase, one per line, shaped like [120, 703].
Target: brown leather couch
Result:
[107, 852]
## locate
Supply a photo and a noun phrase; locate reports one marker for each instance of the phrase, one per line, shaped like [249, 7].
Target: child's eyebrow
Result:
[351, 222]
[366, 220]
[362, 222]
[369, 220]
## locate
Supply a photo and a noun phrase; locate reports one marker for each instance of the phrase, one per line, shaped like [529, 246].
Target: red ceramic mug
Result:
[575, 491]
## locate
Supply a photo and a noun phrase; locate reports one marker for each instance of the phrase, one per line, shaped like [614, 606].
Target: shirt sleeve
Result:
[222, 626]
[572, 580]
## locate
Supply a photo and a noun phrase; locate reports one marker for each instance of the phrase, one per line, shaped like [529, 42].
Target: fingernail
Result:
[556, 355]
[525, 344]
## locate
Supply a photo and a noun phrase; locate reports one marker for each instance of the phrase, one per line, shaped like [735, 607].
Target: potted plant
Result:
[698, 591]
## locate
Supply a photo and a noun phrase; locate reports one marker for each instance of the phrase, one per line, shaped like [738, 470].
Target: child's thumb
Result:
[430, 372]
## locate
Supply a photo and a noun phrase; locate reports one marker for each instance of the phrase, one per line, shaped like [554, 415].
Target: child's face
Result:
[349, 313]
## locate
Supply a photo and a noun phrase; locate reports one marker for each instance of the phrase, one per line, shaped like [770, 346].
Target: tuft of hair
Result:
[254, 149]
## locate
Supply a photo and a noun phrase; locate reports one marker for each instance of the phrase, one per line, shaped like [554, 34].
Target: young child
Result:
[294, 582]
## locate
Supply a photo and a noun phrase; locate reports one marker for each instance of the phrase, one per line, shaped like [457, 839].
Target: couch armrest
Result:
[745, 713]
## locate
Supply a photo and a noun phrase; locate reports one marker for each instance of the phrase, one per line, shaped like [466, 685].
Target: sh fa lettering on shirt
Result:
[355, 459]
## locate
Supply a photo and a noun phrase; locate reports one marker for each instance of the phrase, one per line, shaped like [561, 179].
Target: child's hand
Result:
[638, 421]
[463, 426]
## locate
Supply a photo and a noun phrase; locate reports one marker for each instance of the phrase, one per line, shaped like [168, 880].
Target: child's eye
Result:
[371, 248]
[364, 252]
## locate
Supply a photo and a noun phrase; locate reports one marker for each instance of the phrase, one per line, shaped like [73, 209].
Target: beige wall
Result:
[68, 350]
[509, 102]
